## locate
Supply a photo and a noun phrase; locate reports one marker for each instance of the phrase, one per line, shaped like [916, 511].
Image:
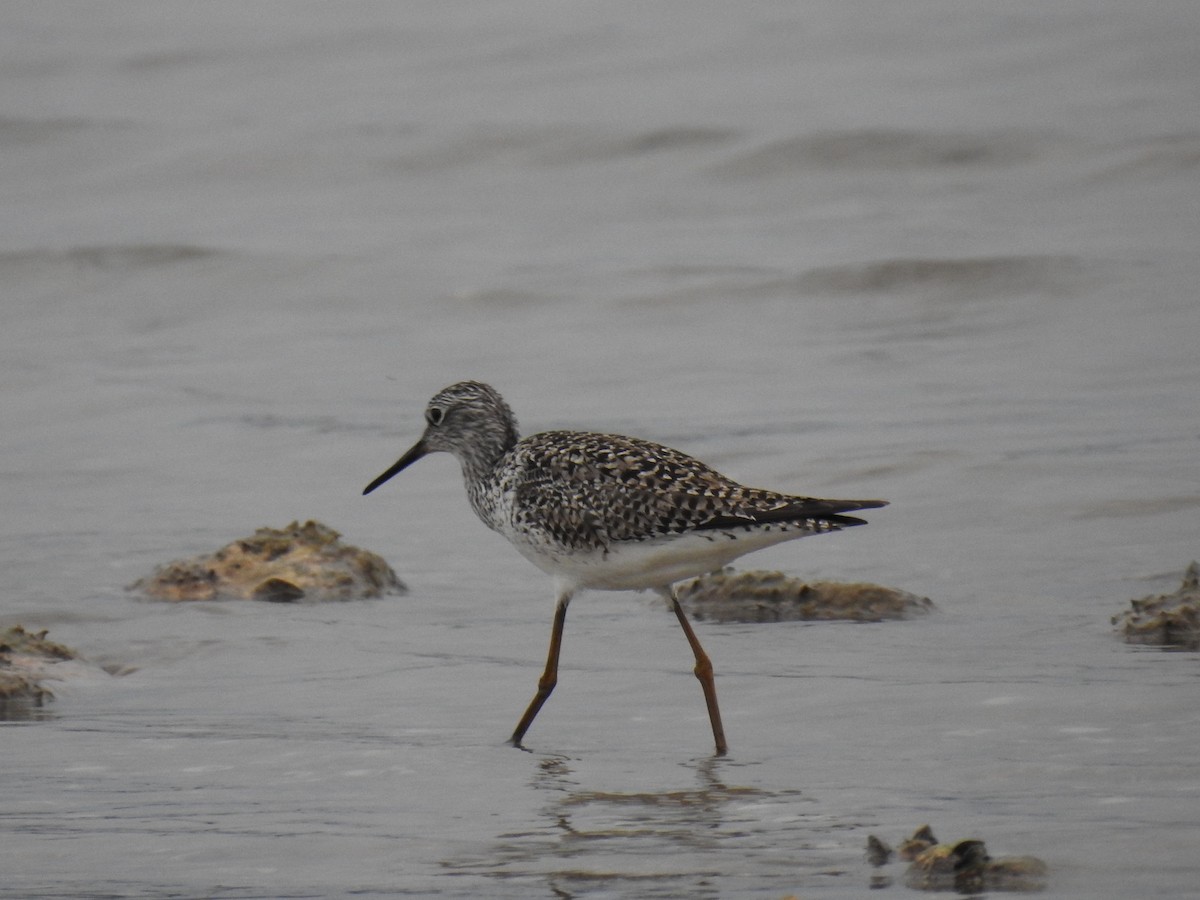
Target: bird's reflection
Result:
[651, 841]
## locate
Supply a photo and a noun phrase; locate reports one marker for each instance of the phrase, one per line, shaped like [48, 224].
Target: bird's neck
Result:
[480, 458]
[483, 472]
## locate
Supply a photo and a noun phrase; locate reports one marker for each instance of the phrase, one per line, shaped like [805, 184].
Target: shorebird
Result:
[608, 512]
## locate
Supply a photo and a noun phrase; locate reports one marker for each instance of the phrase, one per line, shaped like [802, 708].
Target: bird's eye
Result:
[434, 415]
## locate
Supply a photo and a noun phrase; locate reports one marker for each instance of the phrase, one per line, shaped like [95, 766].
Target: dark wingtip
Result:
[844, 521]
[851, 505]
[803, 508]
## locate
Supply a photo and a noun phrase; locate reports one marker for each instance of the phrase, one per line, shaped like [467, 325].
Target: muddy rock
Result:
[916, 843]
[1168, 620]
[761, 596]
[283, 565]
[964, 866]
[27, 661]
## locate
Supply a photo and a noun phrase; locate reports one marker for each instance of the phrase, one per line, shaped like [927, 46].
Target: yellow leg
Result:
[549, 676]
[704, 672]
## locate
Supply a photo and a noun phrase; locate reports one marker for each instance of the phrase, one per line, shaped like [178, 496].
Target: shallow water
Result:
[939, 254]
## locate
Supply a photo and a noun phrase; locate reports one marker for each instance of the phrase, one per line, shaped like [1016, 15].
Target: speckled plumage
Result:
[606, 511]
[585, 491]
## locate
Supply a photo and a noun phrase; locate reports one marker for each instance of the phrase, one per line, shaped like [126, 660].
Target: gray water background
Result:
[939, 252]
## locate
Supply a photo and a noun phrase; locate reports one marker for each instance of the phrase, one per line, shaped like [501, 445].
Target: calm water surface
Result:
[938, 253]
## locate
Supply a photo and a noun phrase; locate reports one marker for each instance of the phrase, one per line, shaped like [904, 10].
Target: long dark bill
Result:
[418, 450]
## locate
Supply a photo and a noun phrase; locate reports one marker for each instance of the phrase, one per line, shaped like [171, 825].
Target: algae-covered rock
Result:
[283, 565]
[916, 843]
[26, 662]
[879, 853]
[760, 596]
[1169, 620]
[964, 866]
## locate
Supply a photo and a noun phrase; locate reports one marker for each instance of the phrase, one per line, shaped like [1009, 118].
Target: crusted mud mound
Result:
[1169, 620]
[27, 660]
[300, 562]
[964, 867]
[759, 596]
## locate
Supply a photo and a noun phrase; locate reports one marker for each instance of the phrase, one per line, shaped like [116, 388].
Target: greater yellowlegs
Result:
[609, 512]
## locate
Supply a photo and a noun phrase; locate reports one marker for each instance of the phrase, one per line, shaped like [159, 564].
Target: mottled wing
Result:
[593, 489]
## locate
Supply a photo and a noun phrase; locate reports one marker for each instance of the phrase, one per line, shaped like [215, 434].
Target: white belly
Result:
[654, 563]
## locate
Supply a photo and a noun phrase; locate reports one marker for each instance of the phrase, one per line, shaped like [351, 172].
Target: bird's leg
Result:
[550, 675]
[704, 672]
